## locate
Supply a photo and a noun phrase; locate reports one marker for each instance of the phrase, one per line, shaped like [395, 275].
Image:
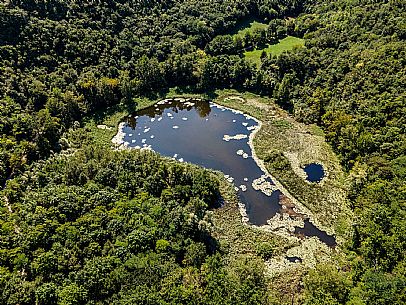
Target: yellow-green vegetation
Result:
[240, 241]
[103, 125]
[251, 27]
[290, 145]
[286, 44]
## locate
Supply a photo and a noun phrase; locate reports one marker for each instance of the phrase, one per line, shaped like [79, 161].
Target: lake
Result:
[214, 137]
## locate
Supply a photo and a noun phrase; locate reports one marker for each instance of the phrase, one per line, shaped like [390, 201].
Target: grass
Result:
[285, 44]
[240, 241]
[111, 117]
[234, 236]
[251, 27]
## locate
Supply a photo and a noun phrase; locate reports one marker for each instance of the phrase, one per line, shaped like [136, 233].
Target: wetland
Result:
[218, 138]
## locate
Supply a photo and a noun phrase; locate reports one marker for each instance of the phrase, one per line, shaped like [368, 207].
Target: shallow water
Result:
[314, 172]
[194, 131]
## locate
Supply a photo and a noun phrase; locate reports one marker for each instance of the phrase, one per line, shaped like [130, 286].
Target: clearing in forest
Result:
[285, 44]
[251, 27]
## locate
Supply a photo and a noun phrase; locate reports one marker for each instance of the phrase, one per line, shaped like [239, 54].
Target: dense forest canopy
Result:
[90, 229]
[65, 225]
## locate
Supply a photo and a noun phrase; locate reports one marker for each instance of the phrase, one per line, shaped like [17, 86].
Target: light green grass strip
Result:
[285, 44]
[251, 27]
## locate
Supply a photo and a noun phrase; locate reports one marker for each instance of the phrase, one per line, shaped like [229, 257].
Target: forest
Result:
[82, 224]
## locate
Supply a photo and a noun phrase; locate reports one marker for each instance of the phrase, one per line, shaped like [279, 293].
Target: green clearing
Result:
[251, 27]
[285, 44]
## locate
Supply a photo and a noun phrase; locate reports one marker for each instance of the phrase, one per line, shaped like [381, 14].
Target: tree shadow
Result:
[101, 114]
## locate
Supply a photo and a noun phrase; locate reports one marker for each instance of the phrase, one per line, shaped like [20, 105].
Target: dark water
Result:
[294, 259]
[311, 230]
[193, 132]
[314, 171]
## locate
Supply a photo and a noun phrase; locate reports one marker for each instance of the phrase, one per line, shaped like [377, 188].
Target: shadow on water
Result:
[194, 131]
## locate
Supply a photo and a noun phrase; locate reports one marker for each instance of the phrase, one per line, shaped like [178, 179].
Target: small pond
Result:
[314, 172]
[294, 259]
[214, 137]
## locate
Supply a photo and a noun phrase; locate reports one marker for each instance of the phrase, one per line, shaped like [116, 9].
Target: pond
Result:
[314, 172]
[294, 259]
[214, 137]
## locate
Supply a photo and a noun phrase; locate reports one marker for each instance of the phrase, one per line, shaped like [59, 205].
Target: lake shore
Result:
[254, 111]
[278, 224]
[300, 144]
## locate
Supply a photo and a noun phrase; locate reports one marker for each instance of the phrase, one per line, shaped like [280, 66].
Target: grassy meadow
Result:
[285, 44]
